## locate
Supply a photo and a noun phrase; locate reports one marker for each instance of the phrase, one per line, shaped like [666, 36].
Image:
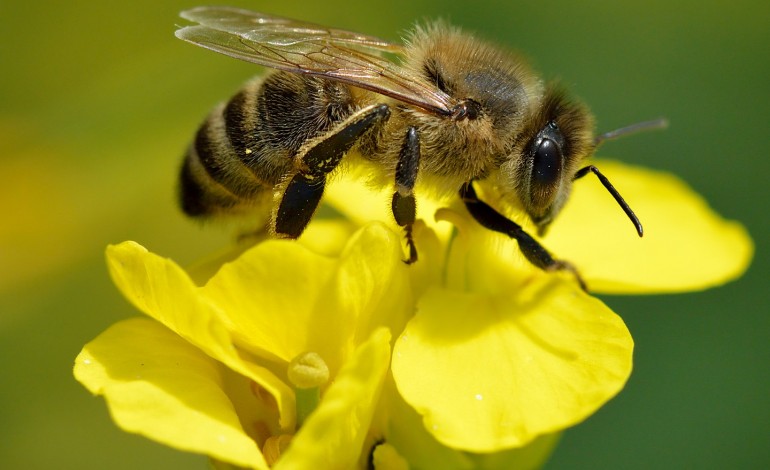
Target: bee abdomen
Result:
[214, 177]
[248, 146]
[199, 194]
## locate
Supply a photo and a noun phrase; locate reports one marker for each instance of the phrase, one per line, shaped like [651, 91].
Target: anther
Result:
[308, 370]
[308, 373]
[274, 447]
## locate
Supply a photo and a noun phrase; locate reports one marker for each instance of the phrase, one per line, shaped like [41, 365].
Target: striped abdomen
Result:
[247, 146]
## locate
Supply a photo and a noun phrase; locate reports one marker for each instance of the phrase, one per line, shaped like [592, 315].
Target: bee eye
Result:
[546, 167]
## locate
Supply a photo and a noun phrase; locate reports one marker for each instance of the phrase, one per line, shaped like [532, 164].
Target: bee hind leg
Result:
[298, 204]
[403, 205]
[316, 159]
[534, 252]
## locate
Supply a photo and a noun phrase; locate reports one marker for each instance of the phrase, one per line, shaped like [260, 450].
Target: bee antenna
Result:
[655, 124]
[615, 194]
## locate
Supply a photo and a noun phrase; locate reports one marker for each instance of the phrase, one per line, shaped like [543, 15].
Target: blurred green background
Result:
[99, 100]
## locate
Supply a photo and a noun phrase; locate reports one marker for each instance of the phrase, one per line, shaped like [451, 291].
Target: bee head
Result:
[552, 146]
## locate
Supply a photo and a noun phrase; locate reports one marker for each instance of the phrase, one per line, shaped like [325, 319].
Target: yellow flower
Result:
[213, 377]
[491, 357]
[499, 353]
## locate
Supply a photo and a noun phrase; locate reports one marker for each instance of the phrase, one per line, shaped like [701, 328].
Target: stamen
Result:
[308, 370]
[308, 373]
[274, 447]
[385, 457]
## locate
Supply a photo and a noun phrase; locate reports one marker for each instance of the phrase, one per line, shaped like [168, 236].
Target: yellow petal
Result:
[371, 285]
[161, 289]
[402, 428]
[327, 237]
[489, 373]
[407, 434]
[281, 299]
[160, 386]
[333, 435]
[268, 296]
[532, 456]
[358, 199]
[686, 246]
[483, 261]
[362, 195]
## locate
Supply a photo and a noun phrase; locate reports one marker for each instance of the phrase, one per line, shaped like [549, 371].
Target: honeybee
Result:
[452, 107]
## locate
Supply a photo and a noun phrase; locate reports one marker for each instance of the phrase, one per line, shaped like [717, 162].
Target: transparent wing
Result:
[278, 31]
[300, 47]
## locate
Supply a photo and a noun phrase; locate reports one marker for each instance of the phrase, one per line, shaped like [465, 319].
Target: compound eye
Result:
[547, 164]
[545, 177]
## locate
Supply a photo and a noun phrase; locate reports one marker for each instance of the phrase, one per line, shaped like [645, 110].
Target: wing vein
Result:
[306, 48]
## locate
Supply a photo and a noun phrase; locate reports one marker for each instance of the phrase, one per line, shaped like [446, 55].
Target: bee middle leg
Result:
[531, 248]
[403, 205]
[317, 159]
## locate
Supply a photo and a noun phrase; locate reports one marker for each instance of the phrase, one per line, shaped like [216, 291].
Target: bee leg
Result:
[298, 204]
[403, 205]
[317, 159]
[532, 250]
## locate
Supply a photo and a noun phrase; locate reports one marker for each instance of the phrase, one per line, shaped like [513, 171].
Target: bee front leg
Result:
[532, 250]
[403, 206]
[317, 159]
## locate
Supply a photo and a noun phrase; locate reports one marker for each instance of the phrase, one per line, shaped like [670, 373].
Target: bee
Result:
[448, 107]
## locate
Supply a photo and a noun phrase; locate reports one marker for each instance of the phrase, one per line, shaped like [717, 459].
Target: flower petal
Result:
[333, 435]
[491, 372]
[407, 434]
[268, 295]
[161, 289]
[158, 385]
[328, 237]
[282, 299]
[532, 456]
[362, 195]
[480, 260]
[370, 284]
[402, 427]
[686, 246]
[360, 200]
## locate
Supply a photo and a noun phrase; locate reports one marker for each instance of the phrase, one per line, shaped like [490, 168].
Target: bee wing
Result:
[300, 47]
[277, 30]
